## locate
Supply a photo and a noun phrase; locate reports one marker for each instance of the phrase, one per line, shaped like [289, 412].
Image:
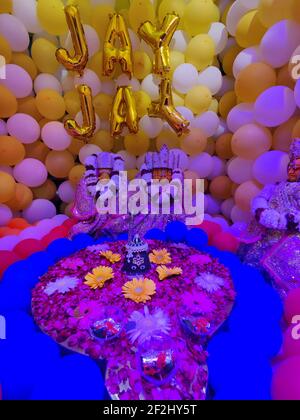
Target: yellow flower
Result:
[98, 277]
[110, 256]
[160, 256]
[165, 272]
[139, 290]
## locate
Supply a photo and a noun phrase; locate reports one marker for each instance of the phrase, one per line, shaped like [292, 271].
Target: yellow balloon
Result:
[295, 10]
[214, 106]
[72, 102]
[140, 11]
[200, 51]
[198, 99]
[26, 62]
[103, 104]
[100, 18]
[168, 138]
[5, 50]
[85, 9]
[59, 164]
[194, 143]
[8, 103]
[75, 146]
[12, 151]
[273, 11]
[47, 191]
[95, 63]
[171, 6]
[178, 100]
[199, 15]
[43, 54]
[7, 187]
[143, 102]
[142, 65]
[6, 6]
[137, 144]
[104, 140]
[50, 104]
[76, 173]
[22, 198]
[176, 58]
[51, 16]
[250, 30]
[227, 102]
[229, 59]
[37, 150]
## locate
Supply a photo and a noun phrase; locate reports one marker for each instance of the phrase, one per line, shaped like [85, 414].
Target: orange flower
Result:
[165, 272]
[139, 290]
[160, 256]
[98, 277]
[110, 256]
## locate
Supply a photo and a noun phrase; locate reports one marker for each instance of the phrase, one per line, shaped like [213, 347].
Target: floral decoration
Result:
[63, 285]
[98, 277]
[197, 302]
[148, 325]
[110, 256]
[209, 282]
[139, 290]
[160, 257]
[164, 272]
[72, 263]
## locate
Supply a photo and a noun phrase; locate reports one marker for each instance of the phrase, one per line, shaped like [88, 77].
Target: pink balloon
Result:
[38, 210]
[31, 172]
[291, 343]
[292, 305]
[286, 380]
[24, 127]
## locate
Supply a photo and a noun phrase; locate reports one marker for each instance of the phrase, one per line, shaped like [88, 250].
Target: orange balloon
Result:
[168, 138]
[245, 194]
[283, 135]
[7, 186]
[46, 191]
[26, 62]
[8, 103]
[254, 80]
[221, 187]
[251, 141]
[284, 77]
[227, 102]
[28, 106]
[223, 146]
[12, 151]
[104, 140]
[37, 150]
[18, 223]
[76, 145]
[296, 130]
[76, 173]
[59, 164]
[22, 199]
[194, 143]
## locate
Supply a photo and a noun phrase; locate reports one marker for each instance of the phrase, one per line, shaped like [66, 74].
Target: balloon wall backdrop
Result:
[213, 78]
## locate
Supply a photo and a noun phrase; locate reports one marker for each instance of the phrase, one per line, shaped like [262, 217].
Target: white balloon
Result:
[39, 209]
[47, 81]
[207, 122]
[8, 243]
[213, 205]
[46, 35]
[227, 206]
[91, 79]
[222, 129]
[238, 9]
[24, 127]
[92, 38]
[186, 113]
[3, 128]
[67, 81]
[135, 42]
[275, 106]
[219, 168]
[239, 116]
[66, 192]
[238, 215]
[79, 120]
[219, 34]
[180, 41]
[185, 77]
[88, 150]
[14, 32]
[124, 80]
[109, 87]
[271, 167]
[240, 170]
[245, 58]
[151, 86]
[201, 164]
[151, 126]
[211, 78]
[279, 43]
[5, 214]
[227, 85]
[26, 11]
[55, 136]
[17, 80]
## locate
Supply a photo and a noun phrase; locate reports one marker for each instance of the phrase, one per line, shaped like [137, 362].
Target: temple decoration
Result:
[88, 127]
[164, 108]
[124, 112]
[159, 40]
[113, 54]
[137, 259]
[79, 61]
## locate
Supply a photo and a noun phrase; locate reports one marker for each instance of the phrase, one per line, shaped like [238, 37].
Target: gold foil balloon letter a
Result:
[164, 109]
[117, 32]
[124, 112]
[159, 40]
[88, 113]
[79, 61]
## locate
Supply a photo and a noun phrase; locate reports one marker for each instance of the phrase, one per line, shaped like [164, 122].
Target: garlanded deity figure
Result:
[105, 168]
[275, 245]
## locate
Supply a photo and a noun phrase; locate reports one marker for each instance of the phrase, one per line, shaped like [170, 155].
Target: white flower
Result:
[98, 248]
[62, 285]
[148, 325]
[209, 282]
